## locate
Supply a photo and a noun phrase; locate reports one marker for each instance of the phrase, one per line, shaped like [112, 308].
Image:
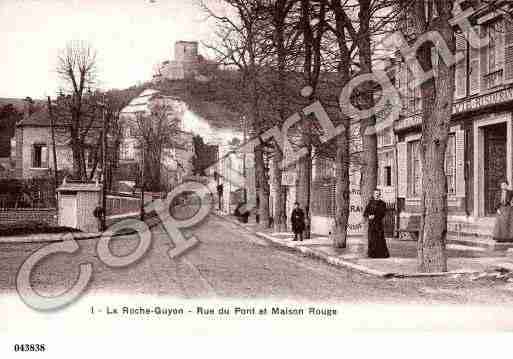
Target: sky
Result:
[130, 37]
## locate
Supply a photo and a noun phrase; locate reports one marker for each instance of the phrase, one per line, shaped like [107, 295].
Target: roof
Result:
[40, 118]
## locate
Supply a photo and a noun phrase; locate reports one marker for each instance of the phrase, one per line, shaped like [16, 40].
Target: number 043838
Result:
[29, 347]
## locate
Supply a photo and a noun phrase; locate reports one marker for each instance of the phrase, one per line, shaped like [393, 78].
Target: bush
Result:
[27, 193]
[32, 227]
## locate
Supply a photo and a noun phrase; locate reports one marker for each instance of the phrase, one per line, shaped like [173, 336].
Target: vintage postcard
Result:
[254, 169]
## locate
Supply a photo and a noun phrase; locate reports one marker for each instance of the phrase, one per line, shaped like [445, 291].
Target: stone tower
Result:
[186, 51]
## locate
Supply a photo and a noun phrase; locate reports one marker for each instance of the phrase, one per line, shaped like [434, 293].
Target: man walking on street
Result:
[298, 222]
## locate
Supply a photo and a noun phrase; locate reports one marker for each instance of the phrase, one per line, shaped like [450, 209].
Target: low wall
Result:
[45, 215]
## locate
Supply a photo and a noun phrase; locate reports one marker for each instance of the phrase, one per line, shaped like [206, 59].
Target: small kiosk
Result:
[77, 202]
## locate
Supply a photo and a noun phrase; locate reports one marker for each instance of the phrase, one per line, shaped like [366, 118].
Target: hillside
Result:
[16, 102]
[217, 101]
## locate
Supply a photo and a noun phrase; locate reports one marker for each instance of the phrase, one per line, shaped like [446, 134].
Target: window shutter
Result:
[402, 170]
[484, 58]
[475, 71]
[418, 99]
[501, 37]
[460, 163]
[508, 51]
[461, 67]
[403, 79]
[434, 60]
[33, 156]
[44, 157]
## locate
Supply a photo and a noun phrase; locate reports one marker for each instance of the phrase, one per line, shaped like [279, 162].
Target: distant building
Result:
[177, 160]
[187, 64]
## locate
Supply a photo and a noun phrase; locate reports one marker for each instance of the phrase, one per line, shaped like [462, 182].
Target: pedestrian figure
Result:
[298, 222]
[241, 213]
[502, 230]
[374, 213]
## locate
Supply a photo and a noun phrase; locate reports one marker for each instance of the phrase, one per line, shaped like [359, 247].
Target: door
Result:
[68, 210]
[494, 163]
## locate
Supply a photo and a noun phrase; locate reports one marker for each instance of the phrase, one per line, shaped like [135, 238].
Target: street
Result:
[230, 263]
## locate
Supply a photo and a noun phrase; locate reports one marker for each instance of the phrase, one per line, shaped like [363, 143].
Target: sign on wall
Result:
[355, 225]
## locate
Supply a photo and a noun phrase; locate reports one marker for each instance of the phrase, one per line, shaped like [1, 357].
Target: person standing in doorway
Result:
[298, 221]
[374, 213]
[502, 228]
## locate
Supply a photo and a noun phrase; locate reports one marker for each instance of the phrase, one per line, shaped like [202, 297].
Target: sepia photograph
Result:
[255, 169]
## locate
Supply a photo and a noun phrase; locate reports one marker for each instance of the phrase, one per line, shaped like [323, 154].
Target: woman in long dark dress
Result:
[374, 213]
[502, 227]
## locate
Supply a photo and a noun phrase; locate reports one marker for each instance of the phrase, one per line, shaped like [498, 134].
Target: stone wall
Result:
[38, 215]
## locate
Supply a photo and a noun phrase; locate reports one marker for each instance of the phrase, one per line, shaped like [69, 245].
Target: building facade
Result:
[479, 149]
[32, 148]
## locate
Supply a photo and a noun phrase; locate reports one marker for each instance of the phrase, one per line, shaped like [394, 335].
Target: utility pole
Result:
[104, 168]
[52, 128]
[244, 139]
[142, 182]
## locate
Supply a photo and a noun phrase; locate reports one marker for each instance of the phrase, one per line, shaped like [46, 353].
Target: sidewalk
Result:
[402, 263]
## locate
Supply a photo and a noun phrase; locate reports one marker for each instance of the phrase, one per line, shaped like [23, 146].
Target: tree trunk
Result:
[342, 186]
[78, 161]
[280, 207]
[304, 166]
[263, 186]
[437, 99]
[342, 190]
[279, 194]
[369, 168]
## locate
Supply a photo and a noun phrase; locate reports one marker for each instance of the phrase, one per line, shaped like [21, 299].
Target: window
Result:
[40, 156]
[415, 169]
[495, 58]
[388, 176]
[450, 164]
[125, 153]
[90, 157]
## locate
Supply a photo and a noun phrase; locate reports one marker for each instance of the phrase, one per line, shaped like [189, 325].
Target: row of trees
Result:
[290, 53]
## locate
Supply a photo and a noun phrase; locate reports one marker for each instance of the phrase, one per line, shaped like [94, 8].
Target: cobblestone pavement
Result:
[229, 262]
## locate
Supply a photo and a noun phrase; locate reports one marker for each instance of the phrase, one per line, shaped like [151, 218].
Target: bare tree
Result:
[157, 132]
[239, 46]
[77, 68]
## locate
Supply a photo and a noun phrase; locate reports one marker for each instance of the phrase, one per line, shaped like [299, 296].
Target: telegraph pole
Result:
[104, 168]
[244, 139]
[52, 127]
[142, 181]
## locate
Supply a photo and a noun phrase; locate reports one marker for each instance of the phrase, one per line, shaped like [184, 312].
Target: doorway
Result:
[495, 163]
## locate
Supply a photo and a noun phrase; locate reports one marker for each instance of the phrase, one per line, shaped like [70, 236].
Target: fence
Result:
[34, 193]
[122, 205]
[323, 203]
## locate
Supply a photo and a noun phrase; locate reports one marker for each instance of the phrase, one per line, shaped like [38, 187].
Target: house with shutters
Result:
[479, 149]
[32, 147]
